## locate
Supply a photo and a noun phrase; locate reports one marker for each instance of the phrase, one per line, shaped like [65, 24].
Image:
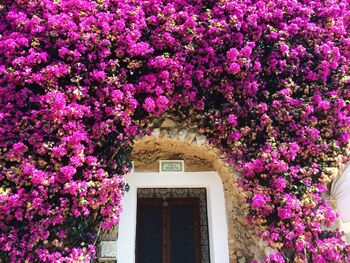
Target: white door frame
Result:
[217, 224]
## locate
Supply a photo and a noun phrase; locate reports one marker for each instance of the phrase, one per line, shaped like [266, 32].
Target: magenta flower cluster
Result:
[268, 82]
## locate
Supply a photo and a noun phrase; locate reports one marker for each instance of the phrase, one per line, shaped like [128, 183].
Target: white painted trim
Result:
[132, 166]
[218, 238]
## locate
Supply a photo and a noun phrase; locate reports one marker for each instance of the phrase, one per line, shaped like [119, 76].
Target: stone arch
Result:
[171, 139]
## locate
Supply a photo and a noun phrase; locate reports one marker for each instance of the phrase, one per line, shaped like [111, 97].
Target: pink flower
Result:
[233, 68]
[117, 96]
[232, 119]
[149, 105]
[59, 151]
[67, 173]
[38, 177]
[162, 103]
[232, 54]
[246, 51]
[284, 213]
[91, 160]
[279, 184]
[259, 200]
[275, 258]
[323, 105]
[19, 148]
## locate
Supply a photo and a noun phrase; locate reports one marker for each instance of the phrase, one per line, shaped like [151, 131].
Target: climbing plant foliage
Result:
[268, 78]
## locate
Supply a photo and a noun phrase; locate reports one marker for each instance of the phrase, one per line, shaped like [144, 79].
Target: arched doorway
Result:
[232, 239]
[204, 167]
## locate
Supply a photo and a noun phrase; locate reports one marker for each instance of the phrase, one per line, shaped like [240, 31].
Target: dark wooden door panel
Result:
[168, 231]
[149, 234]
[182, 234]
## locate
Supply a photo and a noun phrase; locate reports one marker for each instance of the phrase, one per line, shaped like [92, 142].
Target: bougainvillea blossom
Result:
[269, 81]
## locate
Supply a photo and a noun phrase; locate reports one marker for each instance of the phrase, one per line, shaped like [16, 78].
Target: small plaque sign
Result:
[171, 166]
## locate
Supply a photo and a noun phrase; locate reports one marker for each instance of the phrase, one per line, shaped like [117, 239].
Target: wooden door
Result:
[168, 230]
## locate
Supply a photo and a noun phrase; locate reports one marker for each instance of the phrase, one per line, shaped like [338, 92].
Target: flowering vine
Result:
[269, 80]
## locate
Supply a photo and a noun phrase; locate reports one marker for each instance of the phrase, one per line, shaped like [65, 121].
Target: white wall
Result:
[341, 192]
[346, 228]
